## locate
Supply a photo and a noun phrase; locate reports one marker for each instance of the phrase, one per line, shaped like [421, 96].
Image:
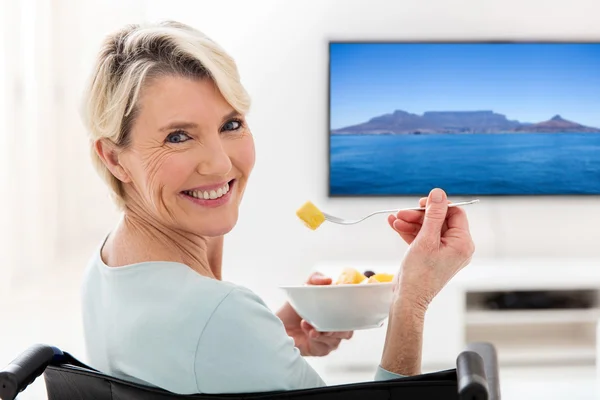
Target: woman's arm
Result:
[404, 340]
[440, 246]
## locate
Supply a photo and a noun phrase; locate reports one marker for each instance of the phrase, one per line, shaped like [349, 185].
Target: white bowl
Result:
[334, 308]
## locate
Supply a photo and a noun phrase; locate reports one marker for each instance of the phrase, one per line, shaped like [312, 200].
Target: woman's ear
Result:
[109, 154]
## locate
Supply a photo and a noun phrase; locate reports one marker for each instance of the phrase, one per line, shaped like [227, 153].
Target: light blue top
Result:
[162, 324]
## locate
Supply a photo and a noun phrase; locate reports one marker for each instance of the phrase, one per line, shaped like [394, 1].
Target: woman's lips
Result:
[210, 196]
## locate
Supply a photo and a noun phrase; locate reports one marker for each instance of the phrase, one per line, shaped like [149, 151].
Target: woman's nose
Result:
[214, 159]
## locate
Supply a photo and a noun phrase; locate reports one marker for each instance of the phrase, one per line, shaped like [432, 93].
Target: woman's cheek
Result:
[170, 171]
[243, 154]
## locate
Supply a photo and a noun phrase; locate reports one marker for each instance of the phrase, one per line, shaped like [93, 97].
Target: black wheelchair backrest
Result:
[67, 378]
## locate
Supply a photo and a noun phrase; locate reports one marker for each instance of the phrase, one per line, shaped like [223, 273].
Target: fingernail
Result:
[437, 196]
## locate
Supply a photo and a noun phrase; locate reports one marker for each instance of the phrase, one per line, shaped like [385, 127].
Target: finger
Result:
[313, 334]
[330, 342]
[342, 335]
[435, 215]
[407, 231]
[423, 202]
[391, 218]
[457, 218]
[309, 330]
[404, 227]
[445, 227]
[411, 215]
[323, 336]
[412, 221]
[408, 225]
[318, 278]
[318, 349]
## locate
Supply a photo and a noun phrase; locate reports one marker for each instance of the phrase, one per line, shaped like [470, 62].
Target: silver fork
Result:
[342, 221]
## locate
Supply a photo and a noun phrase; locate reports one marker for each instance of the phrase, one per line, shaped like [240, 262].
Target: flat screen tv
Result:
[472, 118]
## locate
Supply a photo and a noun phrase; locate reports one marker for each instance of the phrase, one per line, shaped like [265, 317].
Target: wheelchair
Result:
[475, 377]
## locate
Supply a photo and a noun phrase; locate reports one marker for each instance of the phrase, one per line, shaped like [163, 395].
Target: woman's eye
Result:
[177, 137]
[232, 125]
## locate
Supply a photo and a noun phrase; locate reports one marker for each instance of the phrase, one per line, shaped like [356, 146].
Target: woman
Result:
[165, 111]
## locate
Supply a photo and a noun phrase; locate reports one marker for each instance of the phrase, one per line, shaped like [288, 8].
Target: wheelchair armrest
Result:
[470, 374]
[490, 363]
[477, 372]
[24, 369]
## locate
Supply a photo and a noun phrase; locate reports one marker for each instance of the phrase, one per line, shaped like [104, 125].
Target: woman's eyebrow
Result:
[179, 125]
[183, 125]
[232, 114]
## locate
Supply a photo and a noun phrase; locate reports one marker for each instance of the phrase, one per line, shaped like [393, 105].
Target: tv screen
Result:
[471, 118]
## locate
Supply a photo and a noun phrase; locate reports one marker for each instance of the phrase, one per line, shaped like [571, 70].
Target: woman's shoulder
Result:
[148, 270]
[154, 280]
[152, 289]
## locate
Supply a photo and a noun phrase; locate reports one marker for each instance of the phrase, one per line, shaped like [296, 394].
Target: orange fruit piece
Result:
[383, 277]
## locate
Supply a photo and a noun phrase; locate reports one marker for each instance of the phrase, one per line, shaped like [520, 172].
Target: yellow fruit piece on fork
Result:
[350, 276]
[310, 215]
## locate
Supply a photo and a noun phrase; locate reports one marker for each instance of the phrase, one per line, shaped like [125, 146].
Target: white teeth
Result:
[211, 194]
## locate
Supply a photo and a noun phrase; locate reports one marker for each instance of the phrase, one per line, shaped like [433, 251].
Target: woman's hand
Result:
[308, 340]
[440, 246]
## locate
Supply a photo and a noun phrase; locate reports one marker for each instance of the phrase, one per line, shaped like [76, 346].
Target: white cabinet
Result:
[457, 316]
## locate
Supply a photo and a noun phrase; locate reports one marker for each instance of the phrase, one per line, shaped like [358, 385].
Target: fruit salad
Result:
[351, 276]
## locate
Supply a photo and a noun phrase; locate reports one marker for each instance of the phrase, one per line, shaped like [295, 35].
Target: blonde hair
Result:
[132, 56]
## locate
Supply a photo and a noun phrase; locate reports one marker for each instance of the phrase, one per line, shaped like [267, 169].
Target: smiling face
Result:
[189, 157]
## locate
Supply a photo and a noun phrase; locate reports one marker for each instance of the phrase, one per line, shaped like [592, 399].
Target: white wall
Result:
[281, 49]
[5, 258]
[84, 209]
[26, 155]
